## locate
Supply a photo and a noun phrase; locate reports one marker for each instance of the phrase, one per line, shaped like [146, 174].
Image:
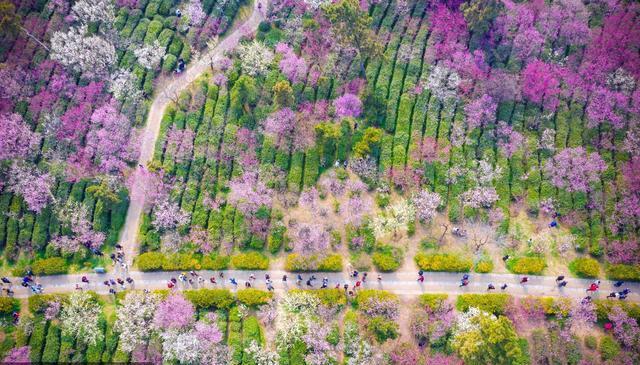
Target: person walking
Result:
[464, 282]
[504, 286]
[309, 283]
[299, 280]
[85, 280]
[612, 295]
[505, 258]
[346, 287]
[355, 273]
[421, 279]
[213, 280]
[379, 278]
[284, 278]
[325, 283]
[490, 287]
[364, 277]
[524, 280]
[233, 282]
[247, 284]
[560, 278]
[269, 287]
[562, 284]
[592, 288]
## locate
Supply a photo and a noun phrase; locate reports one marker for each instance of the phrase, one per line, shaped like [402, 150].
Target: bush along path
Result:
[165, 95]
[401, 283]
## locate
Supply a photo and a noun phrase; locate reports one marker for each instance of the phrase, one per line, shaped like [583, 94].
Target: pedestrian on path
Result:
[346, 287]
[358, 283]
[490, 287]
[560, 278]
[379, 278]
[129, 280]
[252, 277]
[464, 282]
[309, 283]
[592, 288]
[233, 282]
[269, 287]
[364, 277]
[85, 280]
[355, 273]
[299, 280]
[247, 284]
[284, 278]
[170, 284]
[562, 283]
[524, 280]
[612, 295]
[421, 279]
[504, 286]
[505, 258]
[213, 280]
[618, 283]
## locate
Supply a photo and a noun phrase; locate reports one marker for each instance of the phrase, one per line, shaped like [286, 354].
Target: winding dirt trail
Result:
[167, 91]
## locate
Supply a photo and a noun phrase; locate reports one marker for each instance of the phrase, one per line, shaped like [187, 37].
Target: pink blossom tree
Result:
[108, 140]
[174, 313]
[16, 138]
[574, 169]
[168, 216]
[75, 217]
[311, 239]
[34, 186]
[179, 143]
[481, 111]
[18, 355]
[426, 204]
[625, 328]
[509, 140]
[292, 66]
[348, 105]
[249, 194]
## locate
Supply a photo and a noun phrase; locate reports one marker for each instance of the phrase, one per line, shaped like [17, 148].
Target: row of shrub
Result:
[584, 267]
[447, 262]
[157, 261]
[531, 265]
[495, 303]
[623, 272]
[299, 263]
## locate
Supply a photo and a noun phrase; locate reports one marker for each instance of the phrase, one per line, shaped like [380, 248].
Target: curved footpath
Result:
[403, 283]
[128, 236]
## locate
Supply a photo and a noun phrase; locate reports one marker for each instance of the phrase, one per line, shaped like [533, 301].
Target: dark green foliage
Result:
[36, 341]
[52, 346]
[50, 266]
[210, 298]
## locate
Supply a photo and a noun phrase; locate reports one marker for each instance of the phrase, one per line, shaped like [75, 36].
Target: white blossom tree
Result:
[261, 355]
[123, 86]
[79, 318]
[135, 319]
[426, 204]
[150, 55]
[93, 11]
[89, 54]
[443, 83]
[255, 57]
[393, 219]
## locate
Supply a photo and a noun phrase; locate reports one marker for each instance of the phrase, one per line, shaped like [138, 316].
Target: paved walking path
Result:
[163, 98]
[403, 284]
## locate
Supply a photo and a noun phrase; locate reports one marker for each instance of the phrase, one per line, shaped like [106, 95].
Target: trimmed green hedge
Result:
[250, 261]
[50, 266]
[298, 263]
[433, 301]
[254, 297]
[329, 297]
[8, 305]
[443, 262]
[157, 261]
[483, 266]
[385, 261]
[492, 303]
[584, 267]
[623, 272]
[527, 265]
[210, 298]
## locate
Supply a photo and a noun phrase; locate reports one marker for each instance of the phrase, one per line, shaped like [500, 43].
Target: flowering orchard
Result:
[76, 80]
[316, 327]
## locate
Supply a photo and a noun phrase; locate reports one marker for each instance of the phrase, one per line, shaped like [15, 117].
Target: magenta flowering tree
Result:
[574, 169]
[16, 138]
[541, 84]
[179, 143]
[605, 106]
[509, 140]
[34, 186]
[75, 218]
[18, 355]
[174, 313]
[195, 13]
[150, 187]
[281, 125]
[481, 111]
[108, 140]
[292, 66]
[348, 105]
[623, 251]
[249, 194]
[625, 328]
